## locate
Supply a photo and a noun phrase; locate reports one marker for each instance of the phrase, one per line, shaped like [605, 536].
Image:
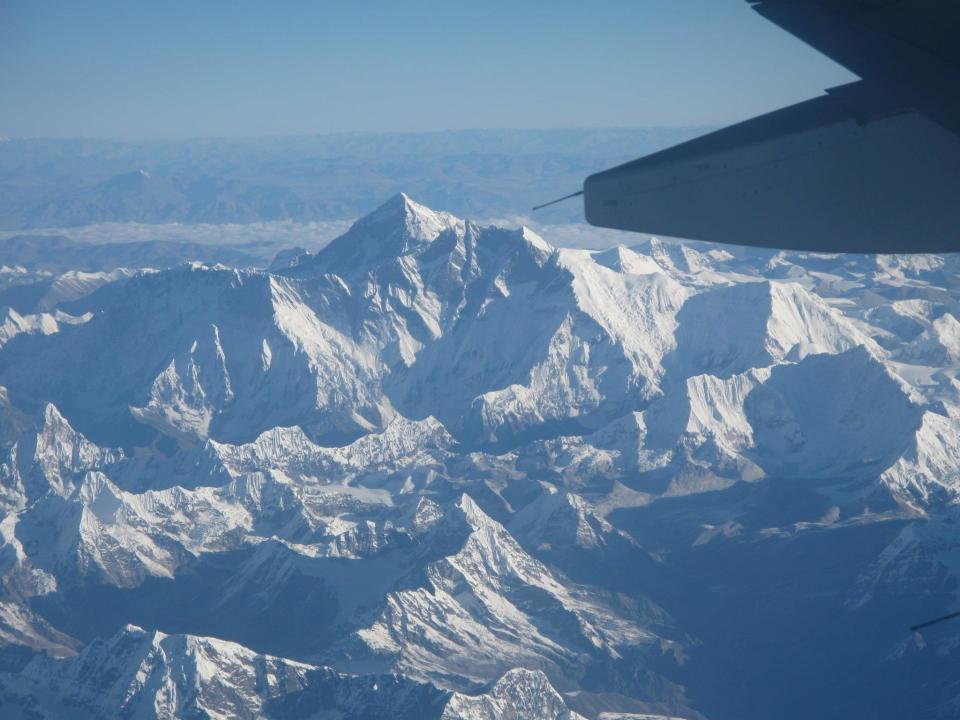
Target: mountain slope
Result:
[141, 674]
[490, 607]
[485, 476]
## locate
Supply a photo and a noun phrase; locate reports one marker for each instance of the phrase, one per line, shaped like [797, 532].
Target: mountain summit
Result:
[398, 227]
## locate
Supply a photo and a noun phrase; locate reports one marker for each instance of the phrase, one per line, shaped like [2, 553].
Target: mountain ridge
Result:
[453, 467]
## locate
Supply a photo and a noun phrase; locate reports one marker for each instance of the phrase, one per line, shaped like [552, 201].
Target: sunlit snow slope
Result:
[445, 470]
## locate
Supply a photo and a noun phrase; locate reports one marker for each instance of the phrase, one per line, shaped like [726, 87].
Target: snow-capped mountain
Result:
[490, 607]
[518, 694]
[140, 674]
[441, 469]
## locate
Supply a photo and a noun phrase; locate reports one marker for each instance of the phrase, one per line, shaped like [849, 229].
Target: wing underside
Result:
[873, 166]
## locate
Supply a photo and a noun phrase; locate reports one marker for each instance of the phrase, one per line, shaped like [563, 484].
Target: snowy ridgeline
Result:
[444, 470]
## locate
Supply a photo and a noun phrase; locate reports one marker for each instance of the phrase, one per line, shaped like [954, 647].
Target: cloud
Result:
[265, 239]
[261, 238]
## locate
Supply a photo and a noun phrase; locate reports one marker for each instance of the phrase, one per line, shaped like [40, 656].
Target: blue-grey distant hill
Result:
[476, 173]
[56, 254]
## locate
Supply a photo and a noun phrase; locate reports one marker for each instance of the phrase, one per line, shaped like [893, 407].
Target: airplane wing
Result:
[871, 166]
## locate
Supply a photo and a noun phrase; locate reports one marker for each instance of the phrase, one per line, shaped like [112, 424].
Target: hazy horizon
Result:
[337, 134]
[51, 183]
[241, 69]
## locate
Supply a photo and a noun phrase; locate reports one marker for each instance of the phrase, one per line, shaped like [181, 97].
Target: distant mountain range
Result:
[479, 173]
[440, 469]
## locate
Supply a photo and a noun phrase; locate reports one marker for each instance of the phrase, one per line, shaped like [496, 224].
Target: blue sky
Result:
[177, 69]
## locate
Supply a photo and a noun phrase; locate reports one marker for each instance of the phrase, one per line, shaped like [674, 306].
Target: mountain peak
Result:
[475, 517]
[519, 693]
[398, 227]
[419, 223]
[50, 415]
[54, 453]
[399, 200]
[539, 247]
